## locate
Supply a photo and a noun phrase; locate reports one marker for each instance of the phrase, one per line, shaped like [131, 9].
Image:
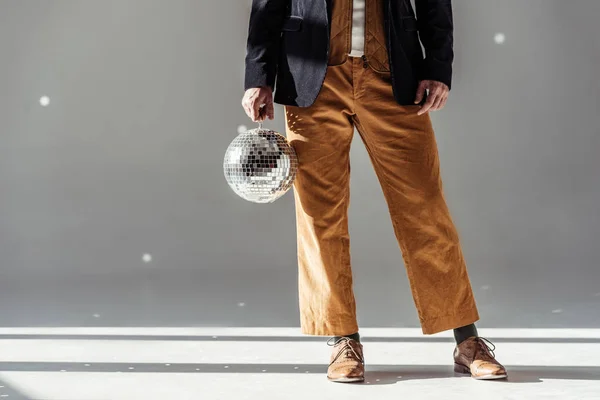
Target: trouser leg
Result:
[321, 136]
[403, 151]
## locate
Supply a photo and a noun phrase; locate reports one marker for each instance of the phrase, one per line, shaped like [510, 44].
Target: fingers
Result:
[258, 104]
[248, 104]
[428, 104]
[270, 109]
[248, 108]
[266, 108]
[421, 91]
[437, 103]
[443, 104]
[436, 99]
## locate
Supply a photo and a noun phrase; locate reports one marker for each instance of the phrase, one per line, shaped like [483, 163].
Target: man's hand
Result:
[436, 99]
[258, 104]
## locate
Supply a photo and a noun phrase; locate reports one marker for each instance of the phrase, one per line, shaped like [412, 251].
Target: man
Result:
[341, 64]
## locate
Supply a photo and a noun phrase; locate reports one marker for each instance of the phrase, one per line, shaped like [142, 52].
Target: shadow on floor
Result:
[375, 374]
[321, 339]
[10, 393]
[385, 375]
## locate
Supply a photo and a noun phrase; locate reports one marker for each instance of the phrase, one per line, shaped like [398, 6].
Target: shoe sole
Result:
[490, 377]
[346, 380]
[461, 369]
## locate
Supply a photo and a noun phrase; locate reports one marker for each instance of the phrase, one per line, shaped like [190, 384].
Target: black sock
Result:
[465, 332]
[354, 336]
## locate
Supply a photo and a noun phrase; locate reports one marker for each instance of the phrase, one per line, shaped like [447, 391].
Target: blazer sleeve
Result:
[264, 35]
[435, 25]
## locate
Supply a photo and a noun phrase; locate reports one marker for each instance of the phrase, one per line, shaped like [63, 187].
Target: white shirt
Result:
[358, 28]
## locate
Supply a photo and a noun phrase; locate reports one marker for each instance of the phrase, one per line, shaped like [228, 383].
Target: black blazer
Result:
[288, 47]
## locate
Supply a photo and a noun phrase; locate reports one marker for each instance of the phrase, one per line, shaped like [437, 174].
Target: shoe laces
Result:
[347, 349]
[487, 346]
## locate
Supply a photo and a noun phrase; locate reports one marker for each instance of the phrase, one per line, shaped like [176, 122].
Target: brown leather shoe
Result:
[346, 362]
[475, 357]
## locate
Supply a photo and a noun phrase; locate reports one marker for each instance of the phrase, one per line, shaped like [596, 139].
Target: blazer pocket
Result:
[292, 24]
[409, 23]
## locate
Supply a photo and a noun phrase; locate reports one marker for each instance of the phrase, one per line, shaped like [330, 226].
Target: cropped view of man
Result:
[337, 65]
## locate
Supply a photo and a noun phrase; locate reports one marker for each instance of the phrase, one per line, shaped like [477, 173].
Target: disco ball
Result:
[260, 165]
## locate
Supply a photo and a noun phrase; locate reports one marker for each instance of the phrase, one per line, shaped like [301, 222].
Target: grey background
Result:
[145, 97]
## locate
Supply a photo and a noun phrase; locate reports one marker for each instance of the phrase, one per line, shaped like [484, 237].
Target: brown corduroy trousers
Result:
[403, 152]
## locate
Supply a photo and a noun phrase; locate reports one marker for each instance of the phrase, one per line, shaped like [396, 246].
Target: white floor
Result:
[279, 363]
